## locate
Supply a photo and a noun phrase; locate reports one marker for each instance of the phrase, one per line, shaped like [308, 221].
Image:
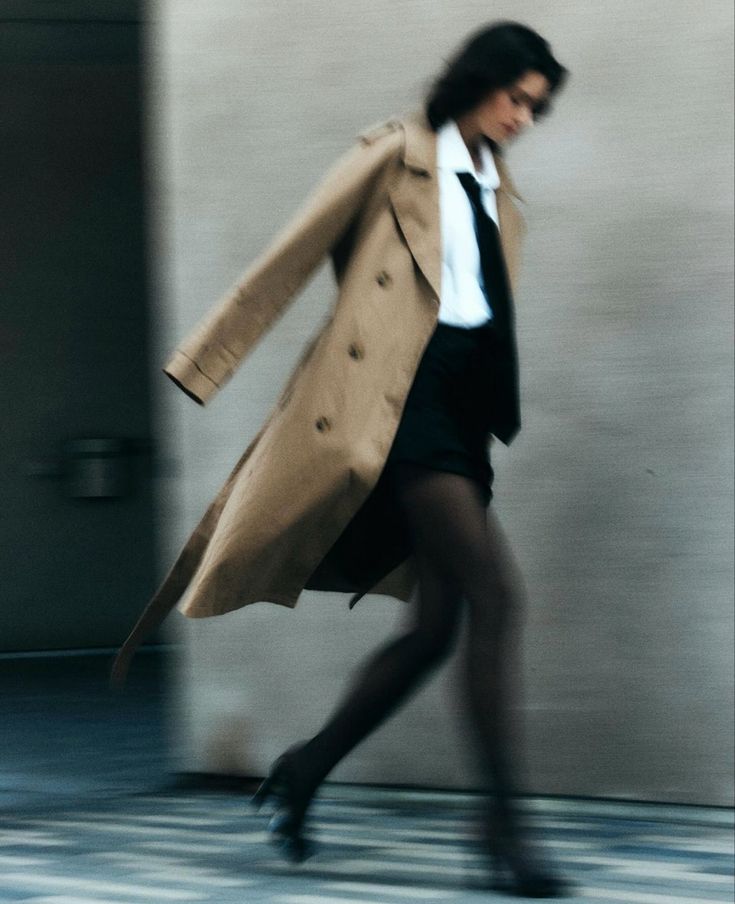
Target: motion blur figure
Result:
[422, 226]
[438, 467]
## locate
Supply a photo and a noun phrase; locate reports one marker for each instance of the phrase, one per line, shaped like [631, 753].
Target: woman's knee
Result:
[498, 599]
[436, 641]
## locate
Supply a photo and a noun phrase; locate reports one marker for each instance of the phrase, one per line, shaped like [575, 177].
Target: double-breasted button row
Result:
[355, 352]
[383, 279]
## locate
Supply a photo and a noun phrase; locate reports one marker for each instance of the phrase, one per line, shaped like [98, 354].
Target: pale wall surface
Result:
[618, 492]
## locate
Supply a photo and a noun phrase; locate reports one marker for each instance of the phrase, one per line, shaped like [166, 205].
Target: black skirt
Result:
[444, 426]
[445, 423]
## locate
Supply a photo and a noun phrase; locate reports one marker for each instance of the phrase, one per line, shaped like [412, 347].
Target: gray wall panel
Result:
[617, 494]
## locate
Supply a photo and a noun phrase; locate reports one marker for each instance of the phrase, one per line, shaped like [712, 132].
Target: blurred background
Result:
[149, 152]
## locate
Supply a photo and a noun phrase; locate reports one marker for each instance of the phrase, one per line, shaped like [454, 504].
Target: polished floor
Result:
[89, 814]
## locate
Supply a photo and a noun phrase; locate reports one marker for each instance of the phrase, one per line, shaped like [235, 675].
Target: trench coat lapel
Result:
[414, 196]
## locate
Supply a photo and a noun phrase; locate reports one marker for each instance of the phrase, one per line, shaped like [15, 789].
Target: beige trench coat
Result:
[319, 454]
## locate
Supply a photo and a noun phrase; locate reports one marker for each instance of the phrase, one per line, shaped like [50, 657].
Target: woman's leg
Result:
[461, 553]
[381, 685]
[388, 676]
[464, 546]
[458, 553]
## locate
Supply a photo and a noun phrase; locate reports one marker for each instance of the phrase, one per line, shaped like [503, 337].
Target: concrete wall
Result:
[618, 493]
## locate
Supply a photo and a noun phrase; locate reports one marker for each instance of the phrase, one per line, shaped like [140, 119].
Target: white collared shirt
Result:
[462, 301]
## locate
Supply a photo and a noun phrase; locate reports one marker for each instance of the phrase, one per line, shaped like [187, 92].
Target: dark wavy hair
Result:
[494, 57]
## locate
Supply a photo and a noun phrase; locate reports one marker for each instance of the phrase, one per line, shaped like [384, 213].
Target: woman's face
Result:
[507, 111]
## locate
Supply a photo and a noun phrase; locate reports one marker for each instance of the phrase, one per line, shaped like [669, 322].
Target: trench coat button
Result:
[383, 278]
[322, 424]
[355, 352]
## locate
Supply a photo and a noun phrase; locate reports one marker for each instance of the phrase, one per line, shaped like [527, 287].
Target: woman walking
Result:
[390, 413]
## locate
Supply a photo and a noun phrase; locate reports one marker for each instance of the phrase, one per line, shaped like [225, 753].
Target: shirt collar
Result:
[452, 155]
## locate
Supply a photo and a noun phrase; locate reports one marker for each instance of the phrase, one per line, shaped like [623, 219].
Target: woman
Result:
[395, 440]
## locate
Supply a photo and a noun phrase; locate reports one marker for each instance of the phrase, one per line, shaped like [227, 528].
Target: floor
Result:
[89, 814]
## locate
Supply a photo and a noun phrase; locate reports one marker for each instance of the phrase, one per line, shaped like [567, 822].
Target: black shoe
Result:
[515, 873]
[517, 866]
[292, 800]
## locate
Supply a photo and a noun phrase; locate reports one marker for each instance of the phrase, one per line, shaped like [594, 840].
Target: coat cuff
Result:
[190, 378]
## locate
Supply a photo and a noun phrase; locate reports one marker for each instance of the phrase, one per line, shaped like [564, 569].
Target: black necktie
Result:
[503, 368]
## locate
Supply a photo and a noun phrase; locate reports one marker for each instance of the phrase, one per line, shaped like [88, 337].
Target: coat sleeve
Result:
[208, 357]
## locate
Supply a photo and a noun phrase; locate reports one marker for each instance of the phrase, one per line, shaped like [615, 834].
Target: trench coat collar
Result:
[419, 153]
[416, 200]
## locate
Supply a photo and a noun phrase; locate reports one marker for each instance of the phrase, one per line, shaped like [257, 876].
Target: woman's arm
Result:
[208, 357]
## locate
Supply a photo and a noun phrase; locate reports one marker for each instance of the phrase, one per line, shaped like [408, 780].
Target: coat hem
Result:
[287, 600]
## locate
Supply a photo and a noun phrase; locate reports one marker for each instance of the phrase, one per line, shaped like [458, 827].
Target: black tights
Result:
[461, 555]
